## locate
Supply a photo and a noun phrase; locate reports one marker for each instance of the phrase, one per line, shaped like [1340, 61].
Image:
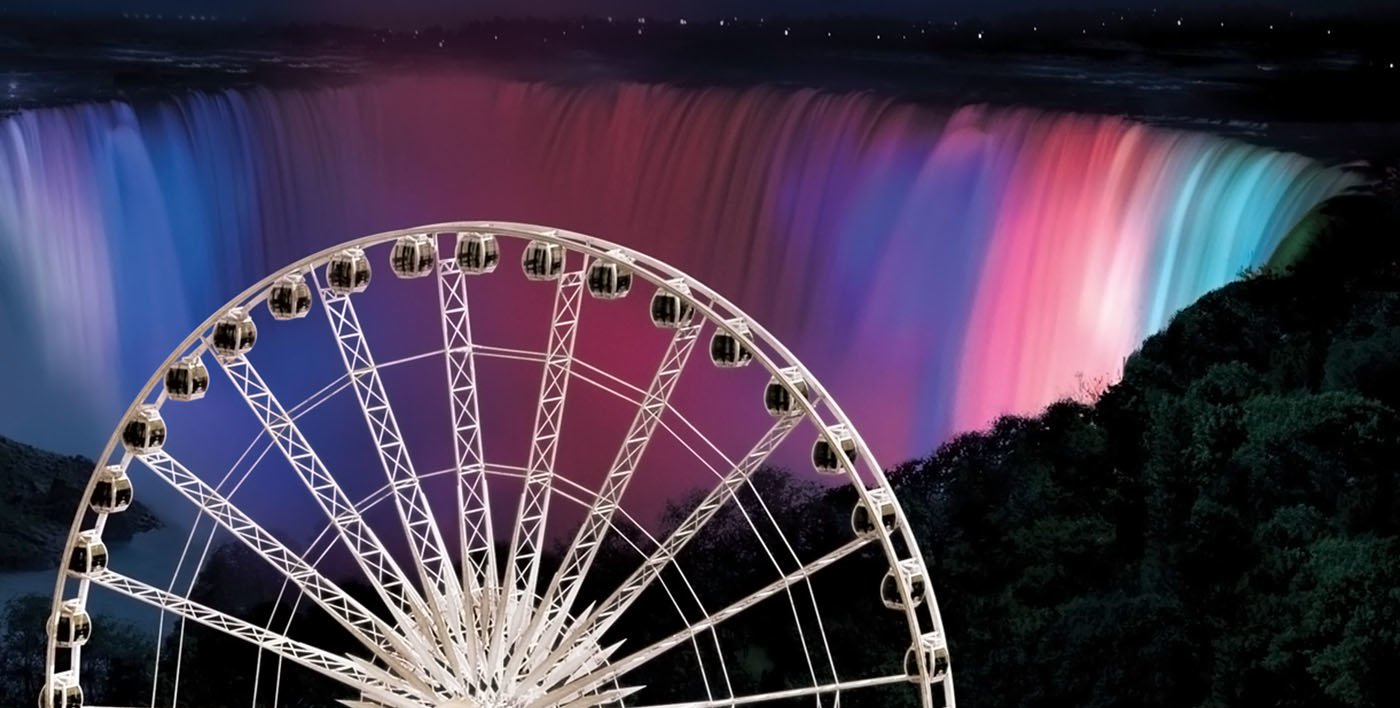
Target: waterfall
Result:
[934, 268]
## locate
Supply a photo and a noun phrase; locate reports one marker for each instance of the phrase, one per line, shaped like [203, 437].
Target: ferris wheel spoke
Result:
[652, 567]
[369, 630]
[584, 548]
[348, 671]
[527, 538]
[563, 694]
[429, 552]
[612, 696]
[359, 538]
[818, 690]
[577, 658]
[477, 538]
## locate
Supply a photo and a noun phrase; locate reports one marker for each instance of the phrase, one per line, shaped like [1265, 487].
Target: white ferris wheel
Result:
[462, 600]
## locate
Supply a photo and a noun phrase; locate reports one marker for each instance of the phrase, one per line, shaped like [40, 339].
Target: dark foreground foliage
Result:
[1220, 528]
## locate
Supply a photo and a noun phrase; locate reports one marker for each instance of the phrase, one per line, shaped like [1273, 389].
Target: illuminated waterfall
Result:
[934, 269]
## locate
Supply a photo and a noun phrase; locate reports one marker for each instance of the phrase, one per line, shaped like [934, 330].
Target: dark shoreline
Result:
[43, 492]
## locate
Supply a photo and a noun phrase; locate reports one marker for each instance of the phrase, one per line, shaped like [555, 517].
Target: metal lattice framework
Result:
[501, 619]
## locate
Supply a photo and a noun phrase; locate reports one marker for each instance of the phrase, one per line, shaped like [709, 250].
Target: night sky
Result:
[380, 11]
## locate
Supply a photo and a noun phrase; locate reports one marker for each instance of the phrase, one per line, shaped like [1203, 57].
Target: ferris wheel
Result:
[513, 582]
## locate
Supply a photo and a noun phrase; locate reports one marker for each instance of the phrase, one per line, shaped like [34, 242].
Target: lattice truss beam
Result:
[370, 630]
[564, 588]
[527, 539]
[573, 689]
[592, 625]
[478, 545]
[430, 555]
[429, 551]
[372, 681]
[409, 610]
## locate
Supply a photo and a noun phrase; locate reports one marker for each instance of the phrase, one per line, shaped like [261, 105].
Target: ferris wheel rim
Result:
[710, 306]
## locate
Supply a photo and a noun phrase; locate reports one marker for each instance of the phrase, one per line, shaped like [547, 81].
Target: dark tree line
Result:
[1222, 527]
[117, 661]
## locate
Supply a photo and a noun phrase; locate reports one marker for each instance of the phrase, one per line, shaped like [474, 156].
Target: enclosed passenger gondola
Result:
[908, 574]
[931, 650]
[144, 431]
[72, 626]
[111, 493]
[610, 279]
[827, 451]
[234, 334]
[882, 509]
[670, 306]
[542, 260]
[477, 253]
[348, 272]
[62, 695]
[186, 380]
[413, 256]
[729, 351]
[89, 554]
[779, 399]
[290, 297]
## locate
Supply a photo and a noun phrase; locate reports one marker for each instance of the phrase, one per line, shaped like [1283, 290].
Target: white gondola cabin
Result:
[348, 272]
[112, 492]
[61, 695]
[863, 519]
[186, 380]
[827, 451]
[610, 280]
[89, 554]
[908, 574]
[779, 399]
[542, 260]
[477, 253]
[72, 626]
[728, 351]
[290, 297]
[144, 431]
[931, 650]
[671, 308]
[234, 334]
[413, 256]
